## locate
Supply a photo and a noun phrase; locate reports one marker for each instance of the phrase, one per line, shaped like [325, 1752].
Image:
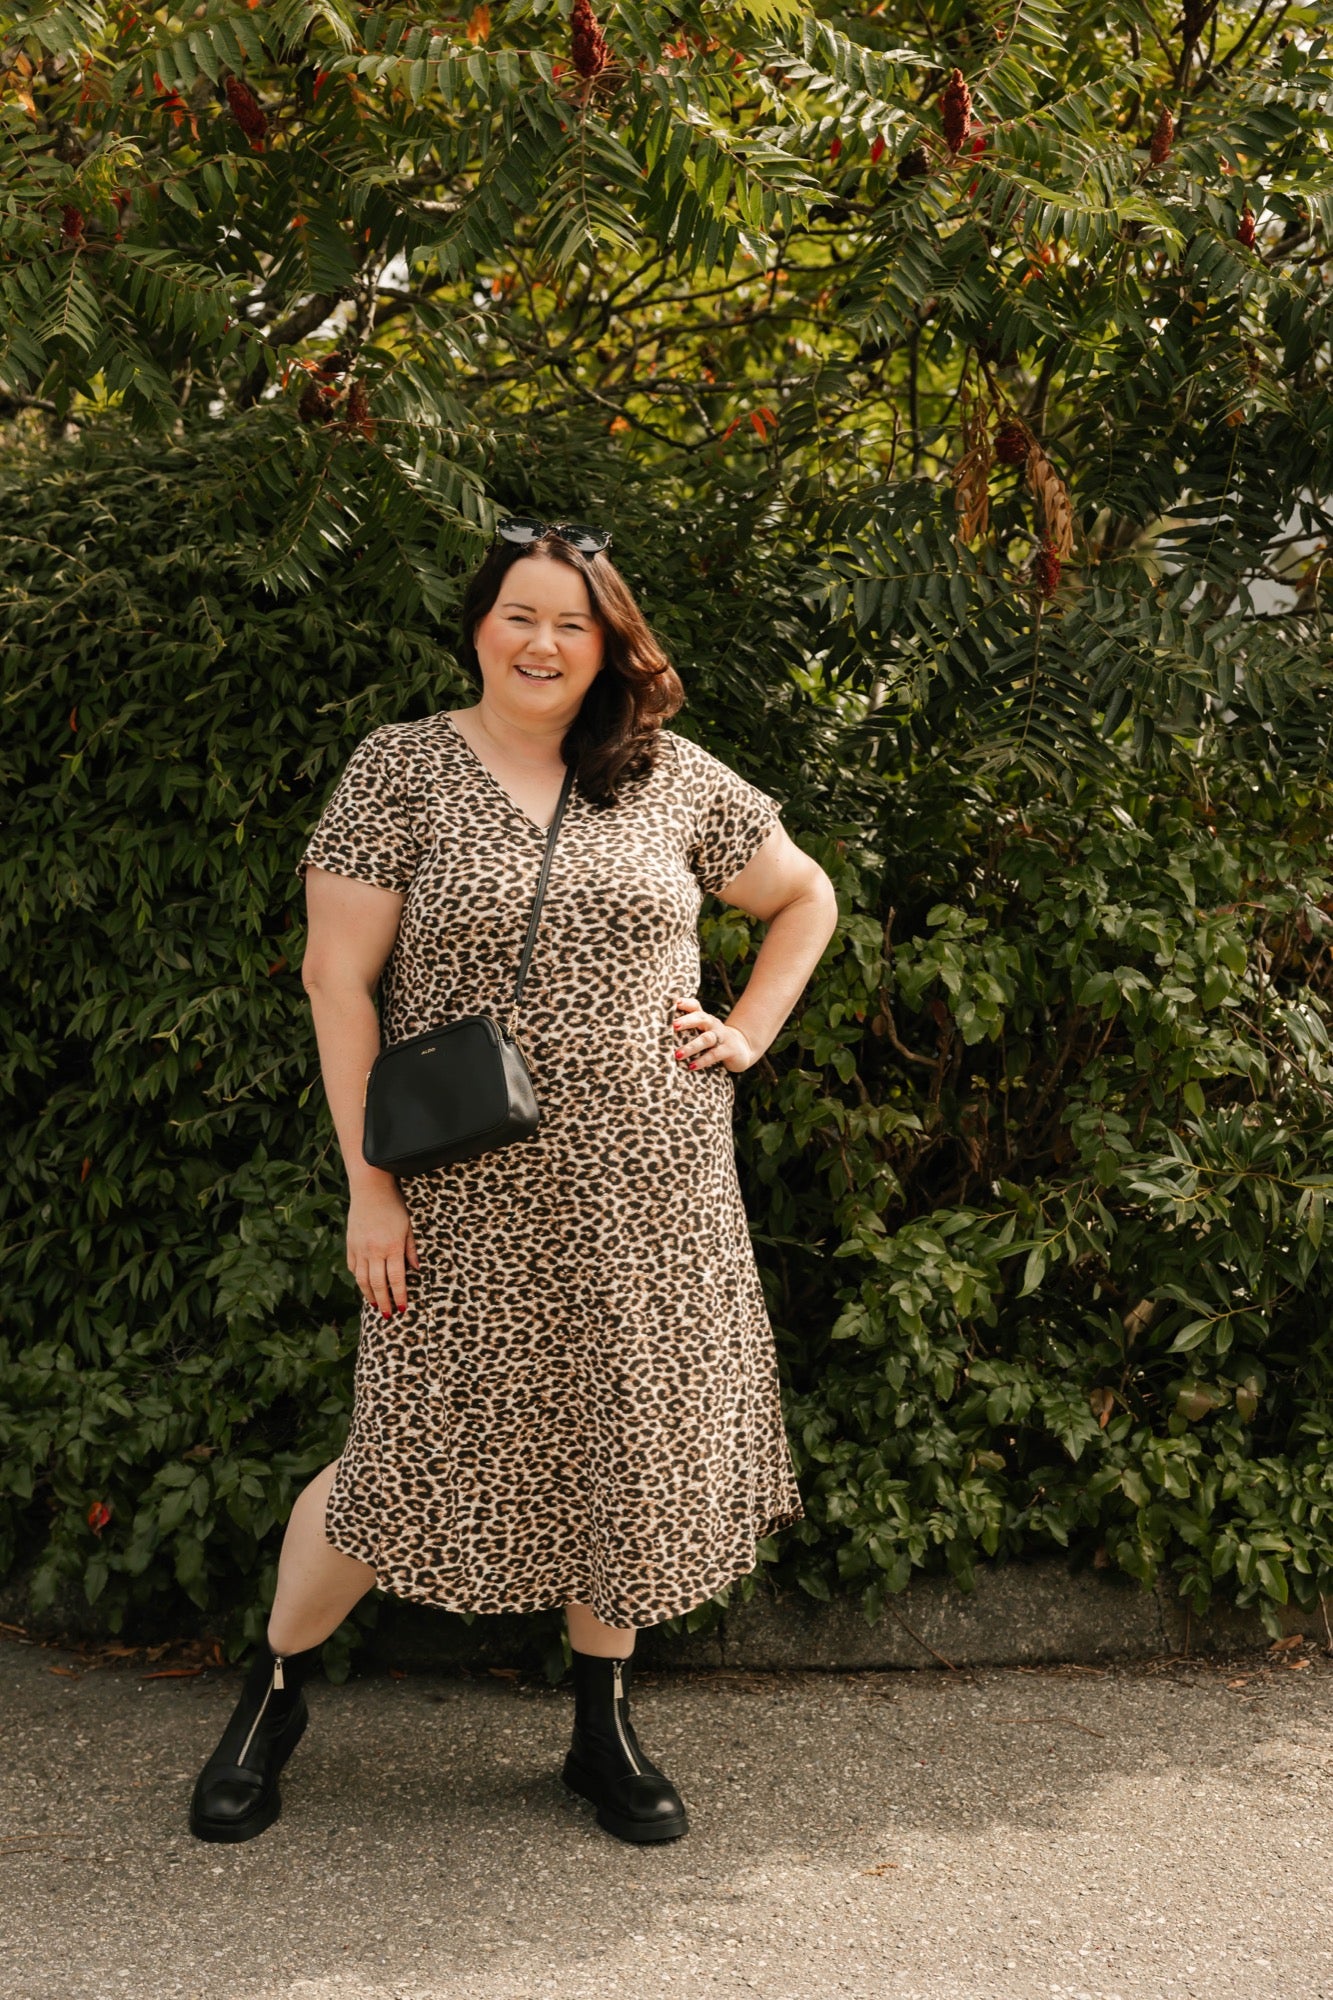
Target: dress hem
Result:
[400, 1585]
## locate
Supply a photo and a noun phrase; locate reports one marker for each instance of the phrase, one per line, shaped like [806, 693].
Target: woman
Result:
[566, 1385]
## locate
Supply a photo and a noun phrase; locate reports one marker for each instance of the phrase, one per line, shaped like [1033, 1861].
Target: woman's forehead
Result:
[536, 583]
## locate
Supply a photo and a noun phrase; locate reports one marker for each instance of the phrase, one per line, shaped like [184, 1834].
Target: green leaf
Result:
[182, 194]
[1034, 1270]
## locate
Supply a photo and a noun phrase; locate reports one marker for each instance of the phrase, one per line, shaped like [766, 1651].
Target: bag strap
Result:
[531, 938]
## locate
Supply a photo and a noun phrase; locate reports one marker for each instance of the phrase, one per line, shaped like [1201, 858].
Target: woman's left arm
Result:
[789, 891]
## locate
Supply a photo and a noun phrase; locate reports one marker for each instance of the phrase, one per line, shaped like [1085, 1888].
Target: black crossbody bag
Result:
[462, 1088]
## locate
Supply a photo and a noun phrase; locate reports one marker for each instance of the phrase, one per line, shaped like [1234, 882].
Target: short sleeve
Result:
[366, 830]
[732, 819]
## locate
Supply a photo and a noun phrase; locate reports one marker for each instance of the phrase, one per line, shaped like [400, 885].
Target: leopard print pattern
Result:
[581, 1400]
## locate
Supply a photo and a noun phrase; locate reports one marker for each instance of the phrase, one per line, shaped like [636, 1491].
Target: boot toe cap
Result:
[230, 1801]
[232, 1797]
[651, 1800]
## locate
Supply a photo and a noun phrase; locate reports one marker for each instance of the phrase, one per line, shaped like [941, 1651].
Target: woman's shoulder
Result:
[419, 733]
[682, 751]
[693, 761]
[689, 746]
[404, 746]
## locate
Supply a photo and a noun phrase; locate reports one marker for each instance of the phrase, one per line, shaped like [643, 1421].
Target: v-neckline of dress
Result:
[495, 784]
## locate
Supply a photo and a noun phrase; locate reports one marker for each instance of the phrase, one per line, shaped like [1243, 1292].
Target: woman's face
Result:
[539, 645]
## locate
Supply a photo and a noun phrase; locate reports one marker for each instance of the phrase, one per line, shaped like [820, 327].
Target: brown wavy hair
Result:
[615, 738]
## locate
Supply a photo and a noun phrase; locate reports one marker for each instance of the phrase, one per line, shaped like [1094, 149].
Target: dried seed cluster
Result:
[588, 48]
[1012, 443]
[1012, 440]
[357, 416]
[1046, 571]
[956, 111]
[245, 109]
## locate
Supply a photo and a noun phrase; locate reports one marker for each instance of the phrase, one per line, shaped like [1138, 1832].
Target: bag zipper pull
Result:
[511, 1032]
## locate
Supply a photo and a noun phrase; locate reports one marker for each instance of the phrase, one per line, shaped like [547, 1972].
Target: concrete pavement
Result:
[1129, 1832]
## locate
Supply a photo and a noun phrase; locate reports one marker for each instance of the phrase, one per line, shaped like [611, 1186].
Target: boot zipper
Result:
[620, 1727]
[275, 1683]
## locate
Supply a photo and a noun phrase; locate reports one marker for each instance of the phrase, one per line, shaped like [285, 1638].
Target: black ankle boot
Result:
[634, 1799]
[236, 1794]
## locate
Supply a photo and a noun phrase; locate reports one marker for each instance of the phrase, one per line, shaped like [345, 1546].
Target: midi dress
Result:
[582, 1398]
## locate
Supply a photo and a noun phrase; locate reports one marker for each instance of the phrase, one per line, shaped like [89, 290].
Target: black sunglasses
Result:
[577, 533]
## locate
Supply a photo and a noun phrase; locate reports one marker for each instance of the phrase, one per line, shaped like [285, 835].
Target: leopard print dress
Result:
[582, 1398]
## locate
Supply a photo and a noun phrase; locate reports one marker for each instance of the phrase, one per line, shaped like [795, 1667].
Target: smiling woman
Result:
[567, 1388]
[543, 608]
[539, 646]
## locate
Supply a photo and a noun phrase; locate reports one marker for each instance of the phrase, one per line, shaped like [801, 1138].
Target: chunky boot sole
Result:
[638, 1830]
[268, 1805]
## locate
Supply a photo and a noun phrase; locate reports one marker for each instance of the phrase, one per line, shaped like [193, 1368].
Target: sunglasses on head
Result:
[577, 533]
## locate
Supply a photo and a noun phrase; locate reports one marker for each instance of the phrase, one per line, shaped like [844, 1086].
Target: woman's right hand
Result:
[380, 1245]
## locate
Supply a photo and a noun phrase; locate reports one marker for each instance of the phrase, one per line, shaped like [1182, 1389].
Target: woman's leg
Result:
[588, 1634]
[236, 1793]
[317, 1584]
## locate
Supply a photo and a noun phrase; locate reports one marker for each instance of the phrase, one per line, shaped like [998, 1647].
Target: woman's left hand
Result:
[711, 1041]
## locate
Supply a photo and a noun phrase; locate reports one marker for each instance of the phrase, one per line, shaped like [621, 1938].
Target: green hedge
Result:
[1036, 1172]
[1074, 1185]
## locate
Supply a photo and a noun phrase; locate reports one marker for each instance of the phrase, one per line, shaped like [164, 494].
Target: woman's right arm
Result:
[352, 927]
